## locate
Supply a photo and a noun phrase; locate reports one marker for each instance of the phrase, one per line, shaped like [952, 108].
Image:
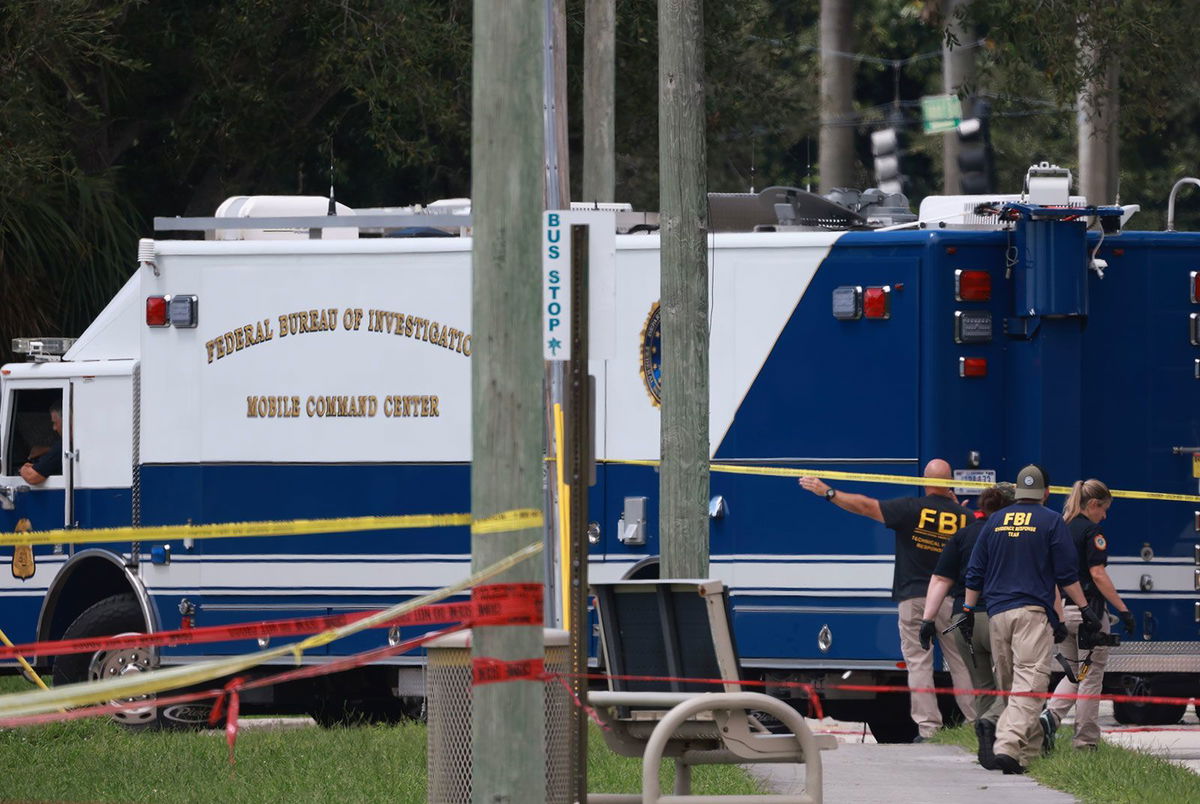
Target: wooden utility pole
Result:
[1098, 107]
[836, 145]
[958, 68]
[508, 720]
[683, 481]
[599, 92]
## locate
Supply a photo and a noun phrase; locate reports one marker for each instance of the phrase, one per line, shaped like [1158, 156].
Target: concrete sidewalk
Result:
[858, 773]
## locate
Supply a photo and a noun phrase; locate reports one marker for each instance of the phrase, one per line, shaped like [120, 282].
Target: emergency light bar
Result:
[41, 349]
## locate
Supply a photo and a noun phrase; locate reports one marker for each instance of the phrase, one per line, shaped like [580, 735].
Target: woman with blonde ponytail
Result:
[1085, 510]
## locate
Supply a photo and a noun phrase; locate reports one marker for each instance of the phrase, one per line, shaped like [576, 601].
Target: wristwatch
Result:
[830, 493]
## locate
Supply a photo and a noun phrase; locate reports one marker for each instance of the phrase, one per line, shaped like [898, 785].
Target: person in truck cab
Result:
[35, 471]
[922, 526]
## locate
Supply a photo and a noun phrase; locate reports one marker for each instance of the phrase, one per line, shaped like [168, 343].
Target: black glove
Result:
[1091, 622]
[1128, 621]
[928, 630]
[1060, 631]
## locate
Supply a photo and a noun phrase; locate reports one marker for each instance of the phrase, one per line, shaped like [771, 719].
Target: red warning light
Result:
[972, 285]
[877, 302]
[972, 367]
[156, 311]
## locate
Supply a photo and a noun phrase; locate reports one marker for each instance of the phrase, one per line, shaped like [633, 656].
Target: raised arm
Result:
[859, 504]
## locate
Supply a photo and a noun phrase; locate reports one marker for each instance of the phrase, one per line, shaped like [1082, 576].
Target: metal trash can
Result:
[448, 710]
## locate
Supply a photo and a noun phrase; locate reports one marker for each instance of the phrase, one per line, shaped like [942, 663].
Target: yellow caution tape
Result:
[905, 480]
[519, 519]
[29, 671]
[133, 685]
[225, 530]
[508, 521]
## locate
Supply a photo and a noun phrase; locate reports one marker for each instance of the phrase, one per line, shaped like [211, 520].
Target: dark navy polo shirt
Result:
[1022, 552]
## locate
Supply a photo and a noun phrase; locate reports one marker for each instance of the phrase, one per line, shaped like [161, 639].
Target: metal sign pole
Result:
[579, 476]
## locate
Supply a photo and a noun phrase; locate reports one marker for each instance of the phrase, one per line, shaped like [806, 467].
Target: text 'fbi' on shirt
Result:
[938, 526]
[1015, 523]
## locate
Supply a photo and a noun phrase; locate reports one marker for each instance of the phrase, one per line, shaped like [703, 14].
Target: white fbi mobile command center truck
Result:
[270, 373]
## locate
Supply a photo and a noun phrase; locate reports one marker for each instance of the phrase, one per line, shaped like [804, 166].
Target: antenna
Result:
[808, 163]
[751, 163]
[332, 203]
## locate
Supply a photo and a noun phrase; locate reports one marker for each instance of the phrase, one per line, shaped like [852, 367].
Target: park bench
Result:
[680, 629]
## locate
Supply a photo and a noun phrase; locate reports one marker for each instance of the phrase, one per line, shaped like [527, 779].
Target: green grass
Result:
[1110, 775]
[95, 760]
[609, 773]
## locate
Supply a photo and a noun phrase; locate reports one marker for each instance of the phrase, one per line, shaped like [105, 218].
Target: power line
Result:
[864, 57]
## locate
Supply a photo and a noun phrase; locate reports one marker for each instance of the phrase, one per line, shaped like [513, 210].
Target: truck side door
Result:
[27, 433]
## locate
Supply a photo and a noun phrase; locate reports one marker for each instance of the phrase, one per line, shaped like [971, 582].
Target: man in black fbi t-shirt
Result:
[922, 526]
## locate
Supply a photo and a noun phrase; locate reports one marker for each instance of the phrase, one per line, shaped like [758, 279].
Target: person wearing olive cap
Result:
[1022, 553]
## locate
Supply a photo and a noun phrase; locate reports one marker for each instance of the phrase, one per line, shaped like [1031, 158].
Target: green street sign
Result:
[940, 113]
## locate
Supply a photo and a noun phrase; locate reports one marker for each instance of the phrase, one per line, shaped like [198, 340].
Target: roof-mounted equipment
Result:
[42, 350]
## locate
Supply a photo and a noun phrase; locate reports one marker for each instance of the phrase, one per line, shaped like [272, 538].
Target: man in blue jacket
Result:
[1023, 552]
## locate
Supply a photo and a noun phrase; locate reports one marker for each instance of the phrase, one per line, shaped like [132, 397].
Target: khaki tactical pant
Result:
[1021, 645]
[925, 712]
[1087, 729]
[987, 707]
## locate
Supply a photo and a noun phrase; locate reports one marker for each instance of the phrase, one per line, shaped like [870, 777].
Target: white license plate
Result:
[981, 475]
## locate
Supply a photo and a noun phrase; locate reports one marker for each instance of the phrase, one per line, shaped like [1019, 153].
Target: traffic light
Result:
[885, 147]
[976, 169]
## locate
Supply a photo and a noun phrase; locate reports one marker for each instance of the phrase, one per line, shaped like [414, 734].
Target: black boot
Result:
[985, 732]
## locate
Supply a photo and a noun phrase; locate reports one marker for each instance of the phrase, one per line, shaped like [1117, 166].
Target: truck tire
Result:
[330, 713]
[892, 729]
[1147, 714]
[120, 614]
[890, 719]
[1134, 713]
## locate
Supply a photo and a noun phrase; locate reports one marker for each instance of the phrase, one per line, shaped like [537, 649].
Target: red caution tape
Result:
[1154, 699]
[485, 670]
[591, 712]
[814, 702]
[813, 690]
[500, 602]
[339, 665]
[227, 704]
[231, 724]
[518, 606]
[106, 709]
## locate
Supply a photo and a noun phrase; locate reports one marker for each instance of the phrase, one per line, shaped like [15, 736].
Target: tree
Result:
[118, 111]
[837, 94]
